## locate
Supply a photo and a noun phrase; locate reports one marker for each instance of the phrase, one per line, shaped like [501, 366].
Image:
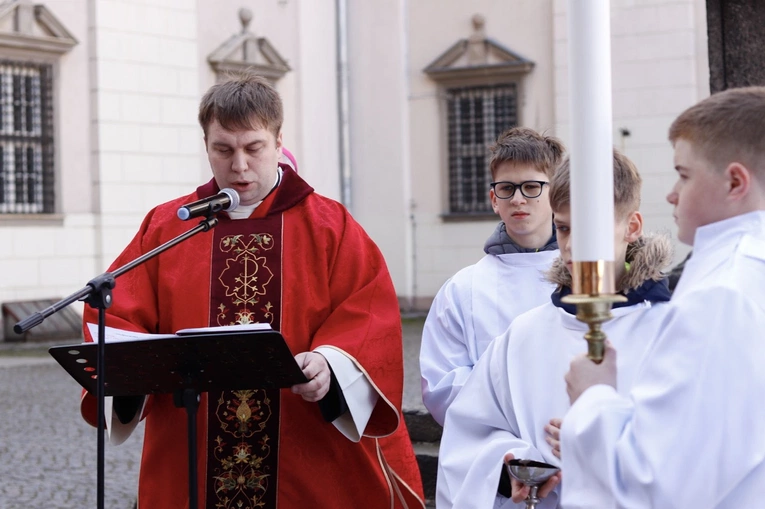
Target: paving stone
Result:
[48, 452]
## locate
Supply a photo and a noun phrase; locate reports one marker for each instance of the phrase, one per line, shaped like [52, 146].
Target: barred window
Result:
[26, 138]
[476, 116]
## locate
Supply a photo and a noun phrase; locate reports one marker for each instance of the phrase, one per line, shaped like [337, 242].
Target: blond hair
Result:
[726, 127]
[246, 101]
[627, 184]
[522, 145]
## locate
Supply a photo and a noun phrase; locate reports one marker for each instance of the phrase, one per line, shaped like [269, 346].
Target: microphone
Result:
[226, 199]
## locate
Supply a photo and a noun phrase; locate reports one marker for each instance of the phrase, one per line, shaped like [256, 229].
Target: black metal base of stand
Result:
[100, 298]
[189, 399]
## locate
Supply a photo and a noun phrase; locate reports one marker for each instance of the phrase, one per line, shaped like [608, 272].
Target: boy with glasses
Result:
[690, 433]
[479, 302]
[517, 387]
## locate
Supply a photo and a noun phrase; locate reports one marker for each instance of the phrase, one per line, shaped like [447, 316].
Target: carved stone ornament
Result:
[32, 27]
[245, 52]
[478, 58]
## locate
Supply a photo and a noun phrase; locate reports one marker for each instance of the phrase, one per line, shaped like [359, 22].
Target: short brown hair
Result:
[247, 101]
[726, 127]
[627, 183]
[522, 145]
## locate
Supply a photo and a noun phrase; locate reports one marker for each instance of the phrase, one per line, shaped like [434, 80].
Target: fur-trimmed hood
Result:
[647, 257]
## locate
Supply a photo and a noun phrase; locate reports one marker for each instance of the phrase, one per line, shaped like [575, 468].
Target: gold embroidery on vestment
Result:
[241, 481]
[243, 456]
[245, 279]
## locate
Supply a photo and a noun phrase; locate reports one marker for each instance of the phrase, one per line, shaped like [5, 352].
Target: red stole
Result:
[243, 425]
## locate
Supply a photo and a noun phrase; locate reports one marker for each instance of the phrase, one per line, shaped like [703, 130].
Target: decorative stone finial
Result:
[478, 22]
[245, 16]
[478, 51]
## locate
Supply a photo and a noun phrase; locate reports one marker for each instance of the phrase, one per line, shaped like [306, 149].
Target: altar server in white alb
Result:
[517, 387]
[479, 302]
[691, 432]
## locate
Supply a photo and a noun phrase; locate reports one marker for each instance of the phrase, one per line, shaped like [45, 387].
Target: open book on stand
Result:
[113, 335]
[250, 356]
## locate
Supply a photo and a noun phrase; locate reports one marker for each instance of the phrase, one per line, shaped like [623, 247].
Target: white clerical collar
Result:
[728, 229]
[245, 211]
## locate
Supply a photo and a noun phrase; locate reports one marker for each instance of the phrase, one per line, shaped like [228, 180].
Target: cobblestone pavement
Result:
[47, 452]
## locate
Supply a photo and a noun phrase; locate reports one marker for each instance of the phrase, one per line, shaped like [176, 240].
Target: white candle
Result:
[592, 202]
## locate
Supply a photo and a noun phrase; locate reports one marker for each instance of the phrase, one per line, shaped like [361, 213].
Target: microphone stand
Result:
[98, 295]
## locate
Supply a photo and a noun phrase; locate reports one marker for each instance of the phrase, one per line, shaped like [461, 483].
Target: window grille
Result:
[26, 138]
[476, 116]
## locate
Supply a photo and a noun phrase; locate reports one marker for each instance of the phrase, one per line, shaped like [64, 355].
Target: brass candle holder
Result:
[593, 292]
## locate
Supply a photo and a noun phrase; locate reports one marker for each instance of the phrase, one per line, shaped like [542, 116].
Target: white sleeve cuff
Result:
[591, 398]
[359, 394]
[115, 430]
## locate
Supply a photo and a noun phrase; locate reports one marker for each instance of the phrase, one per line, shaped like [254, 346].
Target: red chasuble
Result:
[302, 264]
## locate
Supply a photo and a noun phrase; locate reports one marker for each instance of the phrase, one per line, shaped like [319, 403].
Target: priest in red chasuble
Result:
[298, 261]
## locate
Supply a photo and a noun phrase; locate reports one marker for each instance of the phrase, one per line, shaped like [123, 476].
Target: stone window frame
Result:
[461, 201]
[34, 197]
[43, 47]
[474, 62]
[468, 81]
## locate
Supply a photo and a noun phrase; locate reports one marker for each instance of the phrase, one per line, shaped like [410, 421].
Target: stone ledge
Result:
[422, 427]
[427, 459]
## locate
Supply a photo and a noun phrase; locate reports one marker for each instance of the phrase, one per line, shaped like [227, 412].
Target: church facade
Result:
[389, 108]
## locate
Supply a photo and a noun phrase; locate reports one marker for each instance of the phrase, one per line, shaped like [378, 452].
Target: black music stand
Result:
[185, 366]
[98, 295]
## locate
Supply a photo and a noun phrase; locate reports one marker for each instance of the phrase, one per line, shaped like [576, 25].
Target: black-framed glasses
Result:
[529, 189]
